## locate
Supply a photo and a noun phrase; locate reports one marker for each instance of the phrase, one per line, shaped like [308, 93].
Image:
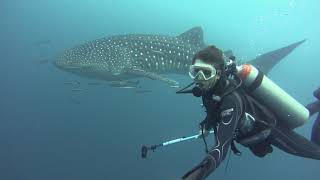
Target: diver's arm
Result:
[230, 112]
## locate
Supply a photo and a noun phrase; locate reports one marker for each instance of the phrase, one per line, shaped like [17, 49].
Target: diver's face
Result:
[205, 75]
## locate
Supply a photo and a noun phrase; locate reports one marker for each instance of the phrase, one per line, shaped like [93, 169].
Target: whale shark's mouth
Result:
[86, 70]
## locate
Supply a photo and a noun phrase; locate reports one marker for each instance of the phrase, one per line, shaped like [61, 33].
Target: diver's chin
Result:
[205, 86]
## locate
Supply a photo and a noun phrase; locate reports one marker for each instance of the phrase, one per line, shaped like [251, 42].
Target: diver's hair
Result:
[211, 55]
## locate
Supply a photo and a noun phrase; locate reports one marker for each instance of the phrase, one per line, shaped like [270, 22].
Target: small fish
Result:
[127, 87]
[72, 83]
[94, 83]
[77, 89]
[124, 84]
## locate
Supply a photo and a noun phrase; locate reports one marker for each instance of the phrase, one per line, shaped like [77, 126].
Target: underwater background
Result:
[49, 132]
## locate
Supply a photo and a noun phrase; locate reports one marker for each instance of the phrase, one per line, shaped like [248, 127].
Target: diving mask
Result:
[201, 71]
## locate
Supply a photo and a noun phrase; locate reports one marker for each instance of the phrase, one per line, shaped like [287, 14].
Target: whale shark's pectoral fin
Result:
[153, 76]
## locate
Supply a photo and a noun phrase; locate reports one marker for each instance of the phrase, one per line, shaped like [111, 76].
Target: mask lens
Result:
[202, 70]
[196, 71]
[207, 73]
[193, 71]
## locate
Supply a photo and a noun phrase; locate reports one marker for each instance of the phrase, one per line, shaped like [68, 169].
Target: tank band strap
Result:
[257, 82]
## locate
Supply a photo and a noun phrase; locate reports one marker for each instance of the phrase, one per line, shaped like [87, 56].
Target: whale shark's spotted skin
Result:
[123, 57]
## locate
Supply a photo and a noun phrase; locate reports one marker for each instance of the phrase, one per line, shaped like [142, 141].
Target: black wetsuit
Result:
[223, 116]
[226, 118]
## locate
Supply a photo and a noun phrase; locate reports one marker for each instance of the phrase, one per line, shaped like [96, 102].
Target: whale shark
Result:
[153, 56]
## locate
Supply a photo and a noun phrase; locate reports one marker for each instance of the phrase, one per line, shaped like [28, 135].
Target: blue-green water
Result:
[44, 134]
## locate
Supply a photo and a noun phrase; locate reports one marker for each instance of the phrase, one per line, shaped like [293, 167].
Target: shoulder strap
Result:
[270, 115]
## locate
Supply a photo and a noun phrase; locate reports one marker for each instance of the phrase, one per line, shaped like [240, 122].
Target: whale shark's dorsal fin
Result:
[193, 36]
[267, 61]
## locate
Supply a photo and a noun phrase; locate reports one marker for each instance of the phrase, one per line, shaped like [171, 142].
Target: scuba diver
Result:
[244, 106]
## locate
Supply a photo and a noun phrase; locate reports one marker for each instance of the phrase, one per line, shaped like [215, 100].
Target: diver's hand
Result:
[203, 131]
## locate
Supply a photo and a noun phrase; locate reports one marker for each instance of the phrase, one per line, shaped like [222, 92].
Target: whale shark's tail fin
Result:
[267, 61]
